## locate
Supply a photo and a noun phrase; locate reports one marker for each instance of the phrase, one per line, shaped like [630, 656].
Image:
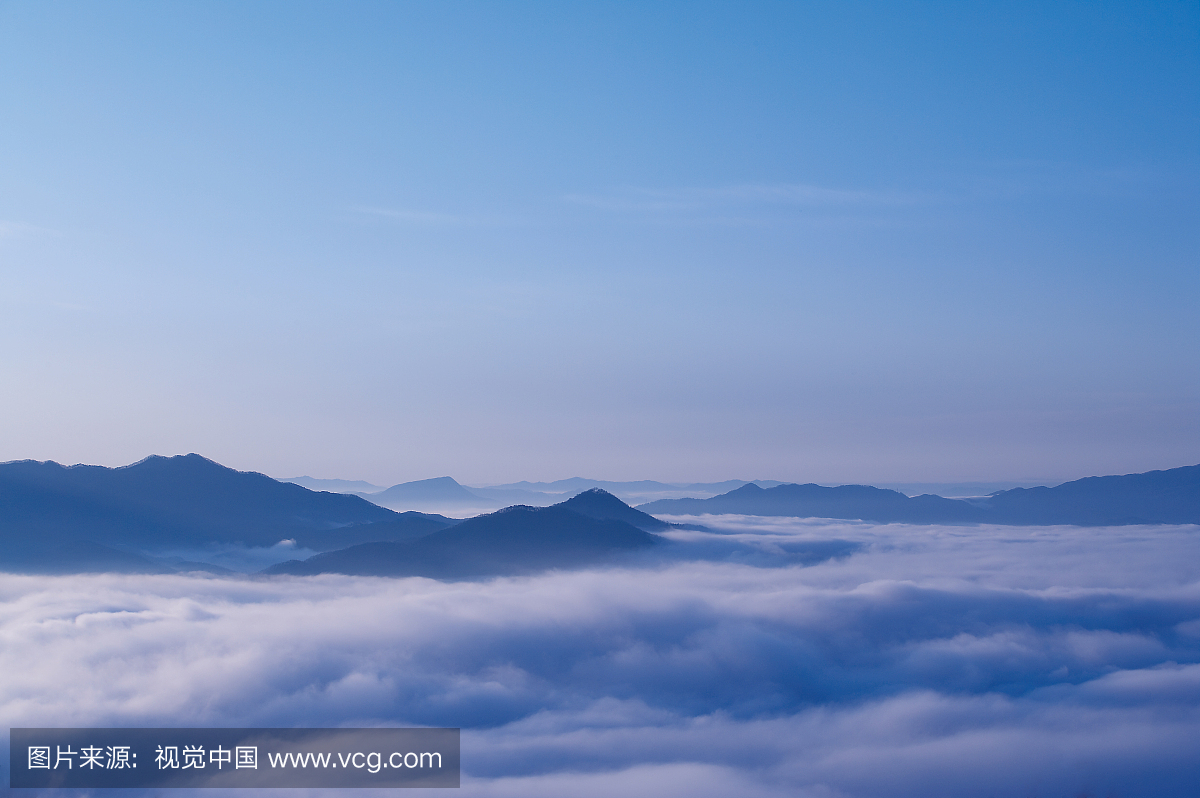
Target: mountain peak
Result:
[600, 504]
[189, 462]
[158, 504]
[515, 540]
[594, 496]
[428, 493]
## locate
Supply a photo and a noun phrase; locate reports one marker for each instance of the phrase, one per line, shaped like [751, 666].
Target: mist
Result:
[901, 660]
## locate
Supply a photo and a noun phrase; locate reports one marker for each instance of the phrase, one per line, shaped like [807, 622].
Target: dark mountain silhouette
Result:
[601, 504]
[405, 526]
[516, 540]
[541, 494]
[57, 554]
[847, 501]
[61, 519]
[1155, 497]
[190, 566]
[957, 490]
[187, 501]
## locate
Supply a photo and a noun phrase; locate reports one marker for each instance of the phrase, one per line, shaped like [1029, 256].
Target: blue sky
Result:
[834, 242]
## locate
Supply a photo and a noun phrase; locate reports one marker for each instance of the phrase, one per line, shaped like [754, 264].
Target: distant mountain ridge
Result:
[437, 489]
[846, 501]
[52, 516]
[1156, 497]
[447, 494]
[515, 540]
[334, 485]
[139, 518]
[576, 484]
[164, 514]
[1171, 496]
[543, 493]
[443, 493]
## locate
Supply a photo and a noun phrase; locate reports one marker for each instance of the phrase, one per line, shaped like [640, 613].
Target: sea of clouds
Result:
[769, 657]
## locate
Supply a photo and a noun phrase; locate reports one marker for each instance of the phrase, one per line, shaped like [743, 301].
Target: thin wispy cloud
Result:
[747, 203]
[433, 219]
[999, 182]
[10, 229]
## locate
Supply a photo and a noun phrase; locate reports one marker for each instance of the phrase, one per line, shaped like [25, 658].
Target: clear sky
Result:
[835, 242]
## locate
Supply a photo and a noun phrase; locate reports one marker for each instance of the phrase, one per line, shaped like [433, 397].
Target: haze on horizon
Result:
[878, 243]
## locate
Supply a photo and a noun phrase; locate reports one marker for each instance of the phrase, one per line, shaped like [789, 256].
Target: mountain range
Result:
[846, 501]
[592, 527]
[165, 514]
[441, 493]
[446, 494]
[70, 518]
[141, 517]
[635, 491]
[1155, 497]
[335, 485]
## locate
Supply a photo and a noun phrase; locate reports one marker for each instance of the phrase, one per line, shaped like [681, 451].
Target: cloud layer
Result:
[916, 661]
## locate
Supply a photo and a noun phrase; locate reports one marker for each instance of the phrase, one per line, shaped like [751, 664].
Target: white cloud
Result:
[927, 661]
[15, 229]
[434, 219]
[746, 199]
[413, 217]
